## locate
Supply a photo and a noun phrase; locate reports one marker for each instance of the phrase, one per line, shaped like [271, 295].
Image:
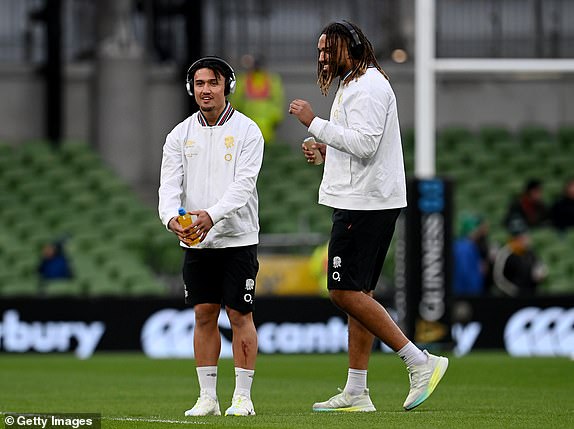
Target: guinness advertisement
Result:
[423, 268]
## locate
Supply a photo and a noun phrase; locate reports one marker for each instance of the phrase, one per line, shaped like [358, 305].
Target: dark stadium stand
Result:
[491, 166]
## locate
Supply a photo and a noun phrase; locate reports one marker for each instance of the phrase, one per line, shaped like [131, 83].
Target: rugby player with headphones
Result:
[364, 183]
[210, 165]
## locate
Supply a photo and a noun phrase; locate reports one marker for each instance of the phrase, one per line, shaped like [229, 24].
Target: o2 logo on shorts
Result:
[336, 264]
[249, 285]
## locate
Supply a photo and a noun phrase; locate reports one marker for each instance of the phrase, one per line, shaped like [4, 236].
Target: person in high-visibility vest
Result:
[259, 94]
[318, 264]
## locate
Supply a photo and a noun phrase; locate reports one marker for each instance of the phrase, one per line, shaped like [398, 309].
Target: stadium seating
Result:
[117, 246]
[288, 192]
[491, 165]
[47, 193]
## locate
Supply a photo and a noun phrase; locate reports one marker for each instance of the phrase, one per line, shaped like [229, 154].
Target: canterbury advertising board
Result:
[523, 327]
[164, 328]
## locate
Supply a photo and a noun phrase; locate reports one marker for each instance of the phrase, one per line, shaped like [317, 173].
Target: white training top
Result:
[364, 167]
[214, 168]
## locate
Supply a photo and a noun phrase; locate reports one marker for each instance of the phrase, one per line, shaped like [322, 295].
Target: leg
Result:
[241, 267]
[206, 338]
[424, 377]
[356, 256]
[372, 315]
[360, 344]
[357, 252]
[244, 339]
[355, 396]
[207, 346]
[244, 346]
[203, 292]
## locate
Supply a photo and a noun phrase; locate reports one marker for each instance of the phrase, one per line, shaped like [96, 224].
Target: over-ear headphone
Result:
[208, 62]
[356, 48]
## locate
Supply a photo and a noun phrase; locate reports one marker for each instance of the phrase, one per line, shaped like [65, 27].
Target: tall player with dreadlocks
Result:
[364, 182]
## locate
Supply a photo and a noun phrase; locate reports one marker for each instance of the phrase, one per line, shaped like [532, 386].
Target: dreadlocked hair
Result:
[337, 35]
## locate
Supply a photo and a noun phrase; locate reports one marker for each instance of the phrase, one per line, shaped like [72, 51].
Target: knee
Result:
[335, 296]
[238, 319]
[338, 297]
[205, 316]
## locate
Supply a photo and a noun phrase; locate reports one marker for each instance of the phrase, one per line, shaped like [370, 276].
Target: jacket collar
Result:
[223, 117]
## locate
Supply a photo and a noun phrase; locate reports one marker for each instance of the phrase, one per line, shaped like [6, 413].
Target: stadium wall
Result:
[164, 328]
[467, 100]
[470, 100]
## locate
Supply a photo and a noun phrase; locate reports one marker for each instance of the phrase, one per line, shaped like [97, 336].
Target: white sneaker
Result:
[345, 402]
[424, 379]
[240, 406]
[205, 406]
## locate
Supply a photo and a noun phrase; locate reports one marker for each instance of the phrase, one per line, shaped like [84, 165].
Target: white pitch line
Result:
[122, 419]
[141, 419]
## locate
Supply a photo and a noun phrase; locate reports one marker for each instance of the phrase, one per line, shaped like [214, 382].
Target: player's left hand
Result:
[202, 224]
[303, 111]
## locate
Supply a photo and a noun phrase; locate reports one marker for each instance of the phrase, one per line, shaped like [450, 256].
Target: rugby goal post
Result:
[427, 66]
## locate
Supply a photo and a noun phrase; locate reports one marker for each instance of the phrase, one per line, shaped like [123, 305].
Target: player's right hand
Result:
[186, 235]
[309, 155]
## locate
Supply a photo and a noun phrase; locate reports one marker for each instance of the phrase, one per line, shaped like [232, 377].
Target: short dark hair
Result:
[219, 66]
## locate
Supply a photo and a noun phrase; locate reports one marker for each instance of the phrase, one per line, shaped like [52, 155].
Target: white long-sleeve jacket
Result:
[214, 168]
[364, 167]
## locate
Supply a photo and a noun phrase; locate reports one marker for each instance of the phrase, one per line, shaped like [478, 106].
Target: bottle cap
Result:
[181, 211]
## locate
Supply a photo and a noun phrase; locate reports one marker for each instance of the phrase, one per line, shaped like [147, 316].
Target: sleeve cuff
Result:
[317, 125]
[168, 221]
[215, 214]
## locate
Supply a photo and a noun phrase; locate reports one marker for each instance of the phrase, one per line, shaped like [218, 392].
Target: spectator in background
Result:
[562, 211]
[529, 206]
[318, 266]
[54, 264]
[517, 269]
[260, 96]
[471, 256]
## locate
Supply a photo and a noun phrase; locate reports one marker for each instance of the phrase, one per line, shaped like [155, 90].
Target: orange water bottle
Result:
[185, 219]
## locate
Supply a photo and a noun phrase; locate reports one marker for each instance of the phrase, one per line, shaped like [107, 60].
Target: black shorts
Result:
[358, 246]
[221, 276]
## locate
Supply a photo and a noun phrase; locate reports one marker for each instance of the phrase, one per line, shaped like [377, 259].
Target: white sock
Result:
[412, 355]
[207, 376]
[356, 381]
[243, 381]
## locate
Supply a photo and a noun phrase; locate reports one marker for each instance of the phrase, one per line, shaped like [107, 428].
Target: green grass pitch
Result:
[481, 390]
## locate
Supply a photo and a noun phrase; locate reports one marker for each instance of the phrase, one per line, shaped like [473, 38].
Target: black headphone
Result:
[229, 74]
[356, 48]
